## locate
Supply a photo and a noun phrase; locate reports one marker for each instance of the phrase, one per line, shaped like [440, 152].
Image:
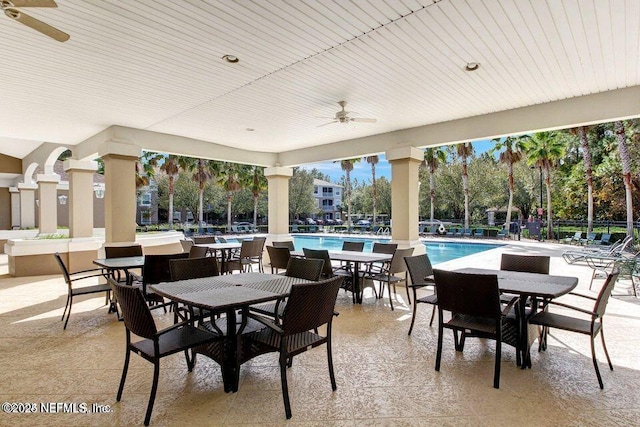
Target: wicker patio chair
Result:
[156, 270]
[302, 268]
[242, 260]
[203, 240]
[389, 274]
[287, 243]
[198, 252]
[124, 252]
[591, 327]
[421, 274]
[192, 268]
[278, 258]
[72, 290]
[345, 266]
[323, 254]
[310, 306]
[155, 344]
[474, 303]
[186, 245]
[257, 251]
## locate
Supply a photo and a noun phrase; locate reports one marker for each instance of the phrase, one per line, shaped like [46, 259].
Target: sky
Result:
[362, 169]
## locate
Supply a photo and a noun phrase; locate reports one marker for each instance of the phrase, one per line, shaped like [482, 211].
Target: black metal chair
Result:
[345, 267]
[192, 268]
[388, 274]
[421, 274]
[301, 268]
[155, 344]
[525, 263]
[198, 252]
[257, 252]
[287, 244]
[310, 306]
[124, 252]
[242, 261]
[591, 327]
[474, 303]
[323, 254]
[73, 291]
[157, 269]
[278, 257]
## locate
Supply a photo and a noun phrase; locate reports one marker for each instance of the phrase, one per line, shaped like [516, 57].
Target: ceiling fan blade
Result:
[37, 25]
[363, 120]
[329, 123]
[29, 3]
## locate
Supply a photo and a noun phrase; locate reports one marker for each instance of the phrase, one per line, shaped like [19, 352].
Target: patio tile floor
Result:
[385, 378]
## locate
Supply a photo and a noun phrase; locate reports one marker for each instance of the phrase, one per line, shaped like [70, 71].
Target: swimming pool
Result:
[438, 251]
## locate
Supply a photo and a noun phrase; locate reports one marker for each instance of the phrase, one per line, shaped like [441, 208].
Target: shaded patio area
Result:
[384, 376]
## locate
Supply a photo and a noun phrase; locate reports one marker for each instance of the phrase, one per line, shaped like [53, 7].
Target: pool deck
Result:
[385, 378]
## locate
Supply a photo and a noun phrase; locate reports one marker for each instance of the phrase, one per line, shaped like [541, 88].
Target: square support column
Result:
[278, 190]
[120, 191]
[15, 207]
[48, 214]
[405, 162]
[80, 197]
[27, 205]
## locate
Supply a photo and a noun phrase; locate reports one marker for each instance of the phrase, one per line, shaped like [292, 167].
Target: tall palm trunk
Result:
[625, 159]
[465, 187]
[171, 189]
[510, 205]
[200, 199]
[547, 182]
[255, 211]
[229, 199]
[588, 172]
[375, 192]
[348, 175]
[432, 191]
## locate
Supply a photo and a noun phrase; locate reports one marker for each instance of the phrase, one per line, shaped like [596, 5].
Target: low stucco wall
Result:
[34, 257]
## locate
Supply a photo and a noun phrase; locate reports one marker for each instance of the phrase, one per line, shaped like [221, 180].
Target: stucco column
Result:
[15, 206]
[80, 196]
[48, 195]
[278, 179]
[405, 162]
[27, 204]
[120, 191]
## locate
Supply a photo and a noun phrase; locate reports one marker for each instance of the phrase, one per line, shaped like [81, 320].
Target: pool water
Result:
[438, 251]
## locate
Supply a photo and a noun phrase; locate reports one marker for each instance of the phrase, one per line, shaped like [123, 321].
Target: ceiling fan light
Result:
[231, 59]
[472, 66]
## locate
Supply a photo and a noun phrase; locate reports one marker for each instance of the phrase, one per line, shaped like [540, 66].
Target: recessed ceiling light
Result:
[472, 66]
[231, 59]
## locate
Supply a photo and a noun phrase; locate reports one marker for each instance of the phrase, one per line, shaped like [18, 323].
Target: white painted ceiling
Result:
[156, 65]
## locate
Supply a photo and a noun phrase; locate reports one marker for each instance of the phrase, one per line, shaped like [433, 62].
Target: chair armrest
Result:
[583, 296]
[420, 285]
[581, 310]
[83, 274]
[507, 308]
[172, 327]
[266, 322]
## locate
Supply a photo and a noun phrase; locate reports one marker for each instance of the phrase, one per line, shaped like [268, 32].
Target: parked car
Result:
[298, 222]
[363, 223]
[310, 221]
[329, 222]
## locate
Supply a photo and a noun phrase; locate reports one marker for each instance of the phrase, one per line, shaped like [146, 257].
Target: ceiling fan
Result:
[342, 116]
[8, 7]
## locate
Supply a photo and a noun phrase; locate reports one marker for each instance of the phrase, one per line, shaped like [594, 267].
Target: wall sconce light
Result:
[38, 202]
[99, 190]
[62, 199]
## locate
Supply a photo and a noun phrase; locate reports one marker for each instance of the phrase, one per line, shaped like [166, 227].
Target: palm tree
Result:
[433, 157]
[625, 159]
[513, 146]
[464, 150]
[588, 172]
[543, 150]
[171, 167]
[347, 167]
[202, 173]
[230, 176]
[257, 183]
[373, 161]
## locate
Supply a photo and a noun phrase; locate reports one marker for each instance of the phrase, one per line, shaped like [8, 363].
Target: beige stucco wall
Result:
[5, 209]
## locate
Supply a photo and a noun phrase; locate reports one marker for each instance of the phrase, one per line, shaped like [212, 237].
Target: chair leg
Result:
[433, 314]
[191, 361]
[440, 332]
[68, 312]
[390, 298]
[606, 353]
[285, 387]
[154, 388]
[415, 309]
[496, 374]
[595, 362]
[334, 387]
[65, 307]
[124, 375]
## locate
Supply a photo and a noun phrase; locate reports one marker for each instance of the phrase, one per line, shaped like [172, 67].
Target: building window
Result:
[327, 202]
[327, 191]
[145, 217]
[145, 199]
[315, 190]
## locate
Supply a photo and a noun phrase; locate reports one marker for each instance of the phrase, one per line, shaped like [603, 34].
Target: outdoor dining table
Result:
[229, 293]
[224, 248]
[533, 285]
[114, 266]
[358, 259]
